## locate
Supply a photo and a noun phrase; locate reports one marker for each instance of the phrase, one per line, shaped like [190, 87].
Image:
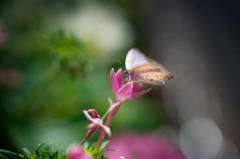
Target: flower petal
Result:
[126, 90]
[92, 126]
[94, 113]
[87, 116]
[107, 130]
[136, 87]
[137, 94]
[75, 151]
[119, 76]
[114, 81]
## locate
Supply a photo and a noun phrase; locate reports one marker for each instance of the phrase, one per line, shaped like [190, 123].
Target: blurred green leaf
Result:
[72, 54]
[9, 154]
[26, 151]
[104, 144]
[46, 153]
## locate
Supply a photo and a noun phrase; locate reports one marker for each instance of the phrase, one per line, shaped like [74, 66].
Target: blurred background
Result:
[55, 60]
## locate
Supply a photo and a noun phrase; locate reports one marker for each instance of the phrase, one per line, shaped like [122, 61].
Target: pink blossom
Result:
[125, 91]
[146, 146]
[96, 122]
[75, 151]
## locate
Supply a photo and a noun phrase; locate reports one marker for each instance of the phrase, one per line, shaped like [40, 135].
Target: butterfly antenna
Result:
[119, 61]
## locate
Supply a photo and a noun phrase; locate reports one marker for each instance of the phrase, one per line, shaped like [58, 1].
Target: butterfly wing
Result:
[144, 69]
[135, 58]
[154, 73]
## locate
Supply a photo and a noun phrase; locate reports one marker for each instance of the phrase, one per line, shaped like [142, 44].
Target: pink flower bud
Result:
[75, 151]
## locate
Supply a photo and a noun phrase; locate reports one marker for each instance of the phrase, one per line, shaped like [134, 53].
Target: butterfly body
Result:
[140, 68]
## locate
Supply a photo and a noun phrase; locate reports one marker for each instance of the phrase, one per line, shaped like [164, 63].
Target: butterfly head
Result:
[130, 77]
[126, 72]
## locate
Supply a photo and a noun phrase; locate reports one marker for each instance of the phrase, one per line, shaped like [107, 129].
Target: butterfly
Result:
[140, 68]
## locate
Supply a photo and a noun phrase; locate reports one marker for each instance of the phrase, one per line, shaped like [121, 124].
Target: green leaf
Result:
[2, 156]
[108, 150]
[48, 146]
[39, 146]
[88, 147]
[26, 151]
[46, 153]
[92, 148]
[104, 144]
[9, 154]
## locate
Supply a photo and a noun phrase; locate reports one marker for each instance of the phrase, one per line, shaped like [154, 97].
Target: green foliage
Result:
[44, 151]
[72, 54]
[5, 154]
[97, 153]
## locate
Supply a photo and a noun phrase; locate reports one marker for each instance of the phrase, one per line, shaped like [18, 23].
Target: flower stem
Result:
[108, 122]
[112, 115]
[89, 133]
[100, 140]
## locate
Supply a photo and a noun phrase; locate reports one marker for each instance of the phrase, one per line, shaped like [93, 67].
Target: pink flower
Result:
[75, 151]
[96, 122]
[146, 146]
[125, 91]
